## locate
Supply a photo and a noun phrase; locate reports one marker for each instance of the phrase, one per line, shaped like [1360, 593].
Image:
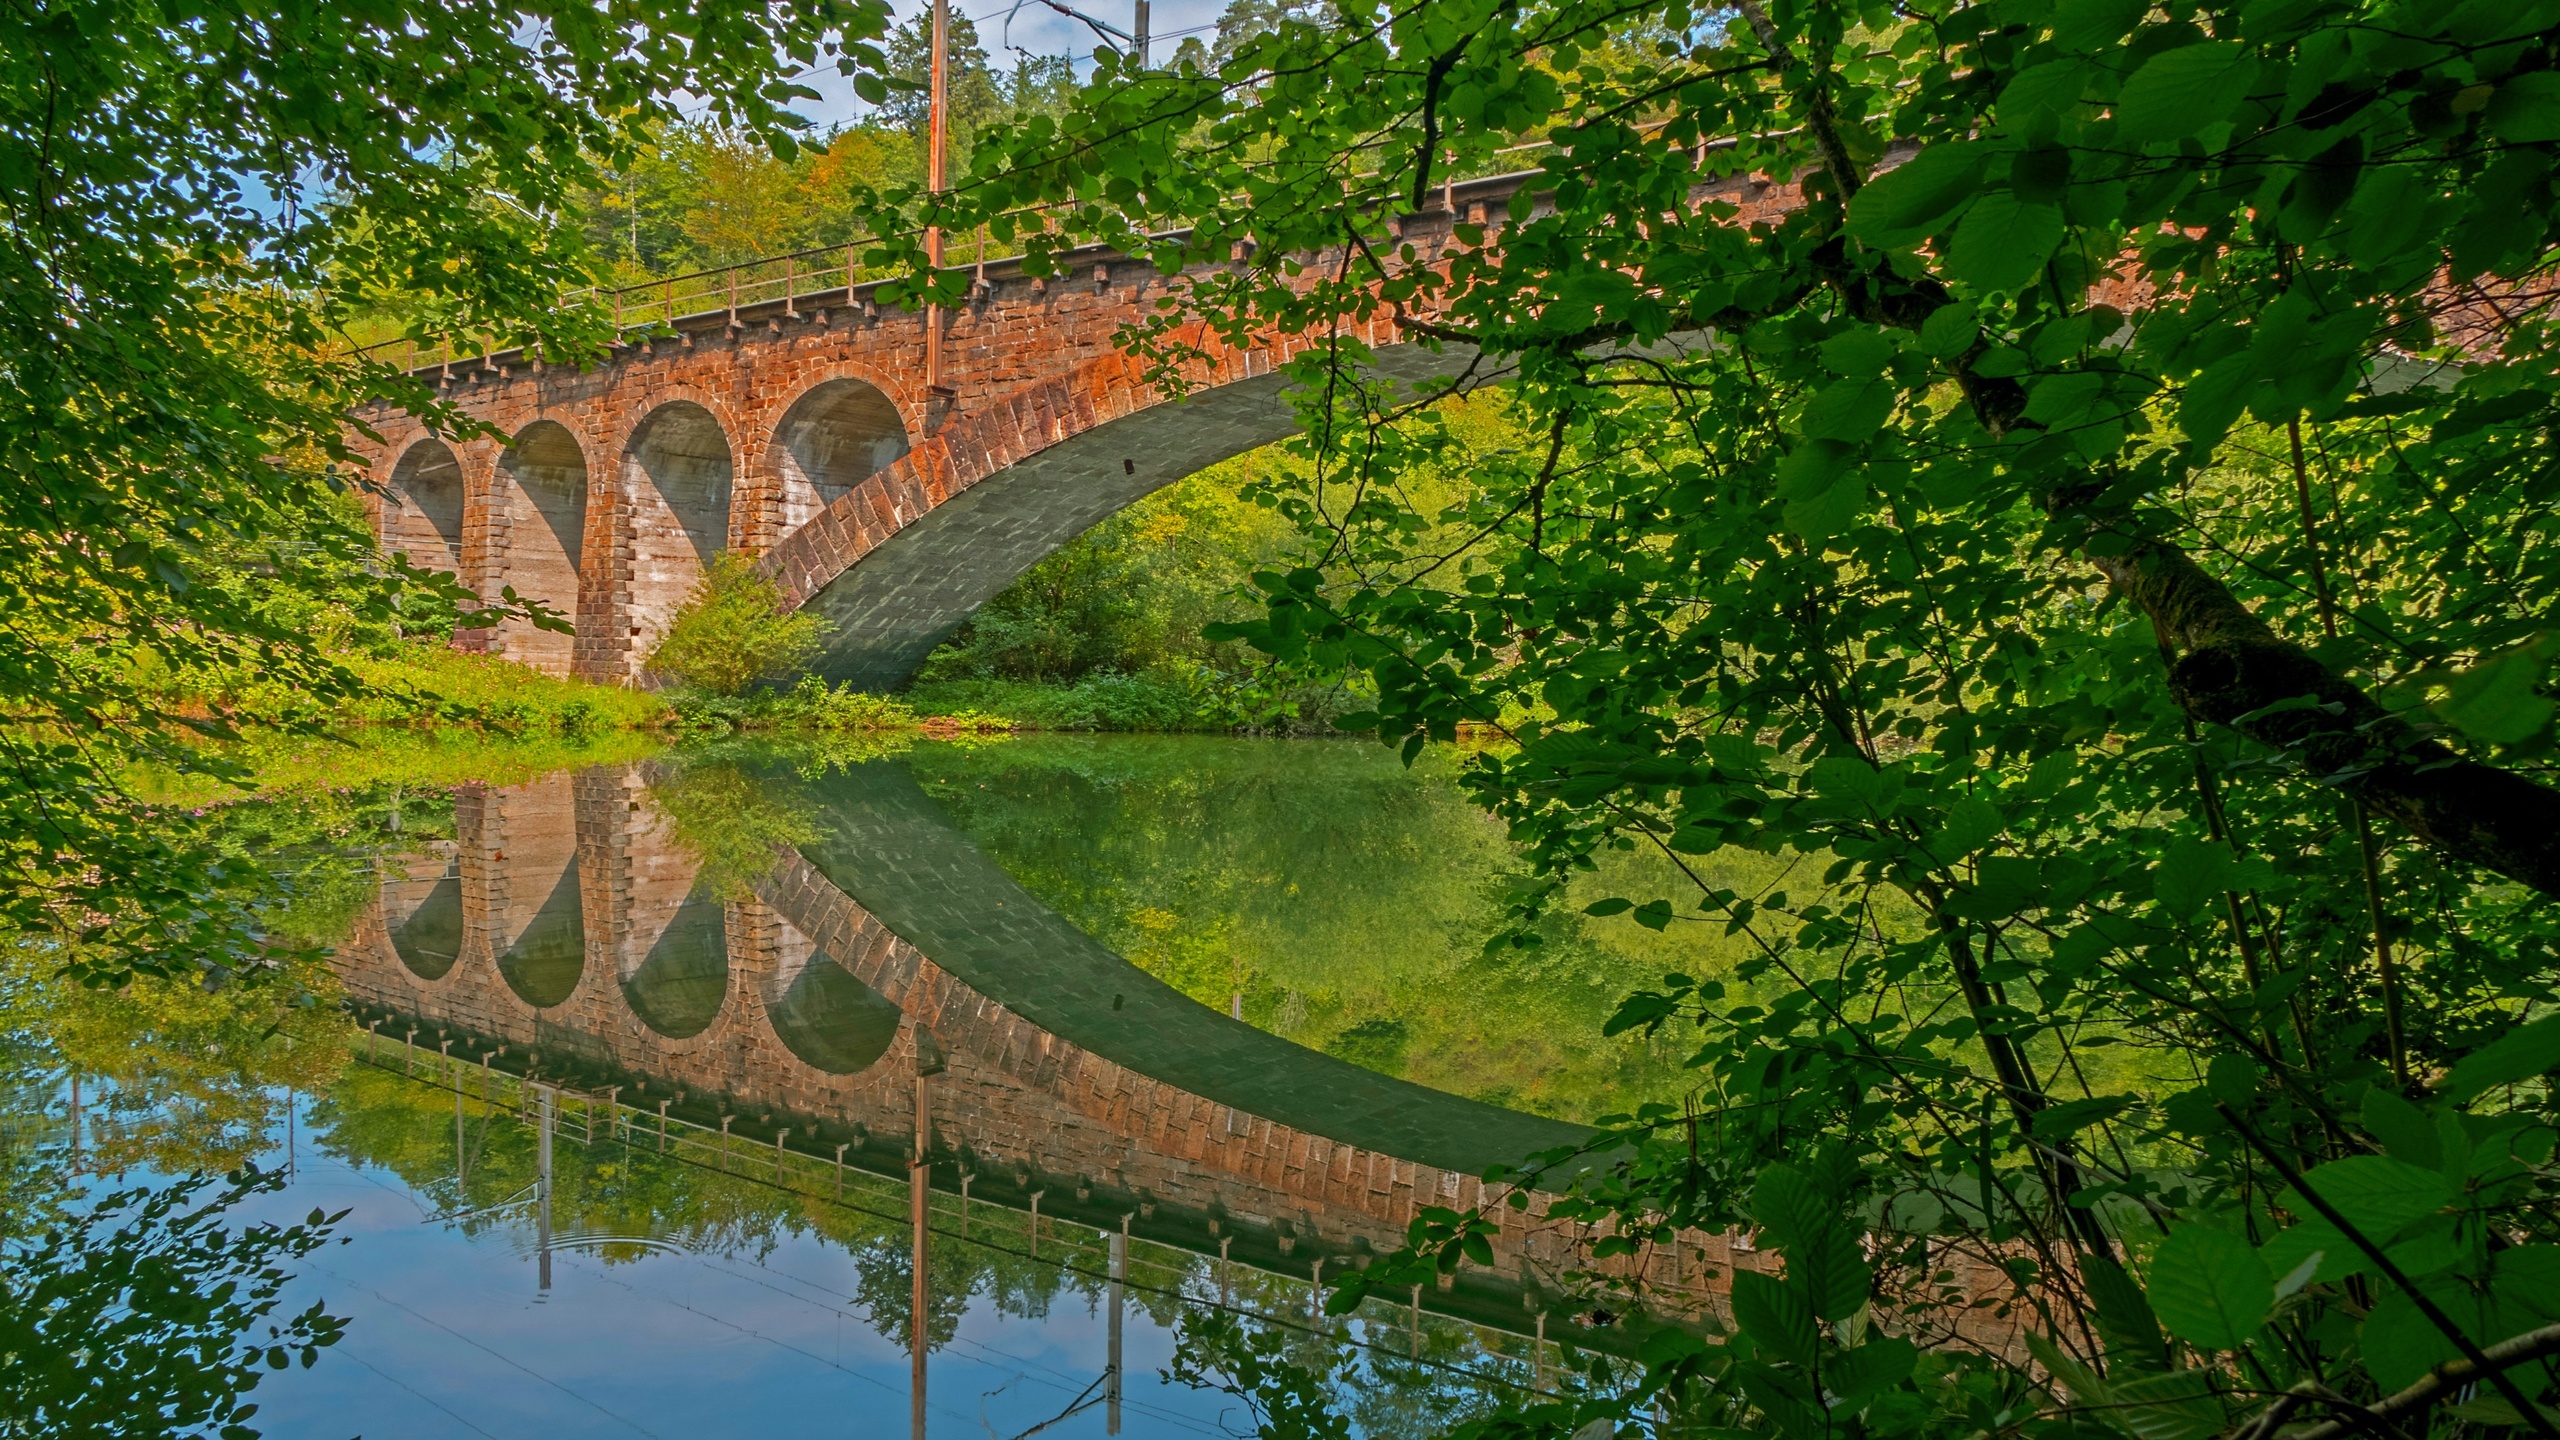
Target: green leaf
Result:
[2497, 700]
[2210, 1287]
[1901, 205]
[2058, 1122]
[2042, 92]
[2291, 1248]
[2403, 1129]
[2084, 1383]
[1850, 410]
[2180, 92]
[1822, 489]
[1834, 1276]
[2398, 1343]
[1776, 1316]
[2003, 242]
[2378, 1195]
[2176, 1405]
[2526, 109]
[2521, 1054]
[1789, 1207]
[1880, 1364]
[2193, 874]
[2123, 1317]
[2096, 24]
[1972, 823]
[1949, 330]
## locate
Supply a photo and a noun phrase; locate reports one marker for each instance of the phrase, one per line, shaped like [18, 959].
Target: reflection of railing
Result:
[583, 1118]
[655, 307]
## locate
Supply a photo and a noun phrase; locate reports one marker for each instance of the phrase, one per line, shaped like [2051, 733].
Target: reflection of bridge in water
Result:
[566, 929]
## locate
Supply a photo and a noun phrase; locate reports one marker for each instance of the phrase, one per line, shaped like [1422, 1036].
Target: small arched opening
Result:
[680, 984]
[678, 476]
[428, 937]
[422, 514]
[833, 438]
[832, 1021]
[549, 954]
[543, 491]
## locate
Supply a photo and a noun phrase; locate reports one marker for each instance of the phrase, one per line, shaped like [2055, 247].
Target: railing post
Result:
[733, 297]
[662, 1126]
[667, 302]
[790, 302]
[849, 268]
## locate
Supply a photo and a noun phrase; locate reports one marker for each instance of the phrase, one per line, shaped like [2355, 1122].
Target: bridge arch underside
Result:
[678, 475]
[890, 608]
[833, 438]
[422, 513]
[543, 492]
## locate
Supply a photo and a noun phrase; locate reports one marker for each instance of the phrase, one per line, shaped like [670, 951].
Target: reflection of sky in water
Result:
[452, 1336]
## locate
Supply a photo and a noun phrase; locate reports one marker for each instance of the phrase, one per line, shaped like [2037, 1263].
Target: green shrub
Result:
[735, 632]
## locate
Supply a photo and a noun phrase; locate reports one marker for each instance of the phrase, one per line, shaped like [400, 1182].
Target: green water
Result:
[1332, 896]
[1320, 892]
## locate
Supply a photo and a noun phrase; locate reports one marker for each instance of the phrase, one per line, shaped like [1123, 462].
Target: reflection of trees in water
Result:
[1345, 898]
[174, 1077]
[381, 1118]
[1348, 1375]
[1363, 1365]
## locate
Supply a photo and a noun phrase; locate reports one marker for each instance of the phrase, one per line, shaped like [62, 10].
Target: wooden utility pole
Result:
[939, 132]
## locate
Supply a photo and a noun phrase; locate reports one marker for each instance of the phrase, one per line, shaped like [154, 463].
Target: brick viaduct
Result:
[800, 430]
[566, 929]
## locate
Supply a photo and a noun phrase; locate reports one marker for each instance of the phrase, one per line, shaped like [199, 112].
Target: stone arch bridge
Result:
[795, 425]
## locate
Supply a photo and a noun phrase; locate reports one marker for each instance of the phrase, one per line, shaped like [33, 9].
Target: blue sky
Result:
[1036, 30]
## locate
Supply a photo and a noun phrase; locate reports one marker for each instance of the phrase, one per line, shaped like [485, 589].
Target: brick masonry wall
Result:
[1029, 1109]
[1042, 403]
[1018, 1099]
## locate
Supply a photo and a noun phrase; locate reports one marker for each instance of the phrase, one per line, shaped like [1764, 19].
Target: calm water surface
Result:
[622, 1126]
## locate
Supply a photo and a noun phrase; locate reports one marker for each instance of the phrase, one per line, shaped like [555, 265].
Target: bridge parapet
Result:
[797, 429]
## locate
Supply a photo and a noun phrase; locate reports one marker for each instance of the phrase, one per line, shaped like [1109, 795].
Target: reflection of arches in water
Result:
[833, 1021]
[542, 967]
[430, 940]
[679, 987]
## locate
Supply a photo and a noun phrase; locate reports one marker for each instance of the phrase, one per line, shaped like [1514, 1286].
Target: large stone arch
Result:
[833, 435]
[679, 474]
[541, 502]
[422, 506]
[903, 559]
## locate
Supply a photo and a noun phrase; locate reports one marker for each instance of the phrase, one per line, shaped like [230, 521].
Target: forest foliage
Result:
[2077, 474]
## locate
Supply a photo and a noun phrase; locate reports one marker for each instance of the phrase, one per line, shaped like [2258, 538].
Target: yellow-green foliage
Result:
[733, 824]
[734, 632]
[424, 683]
[180, 1077]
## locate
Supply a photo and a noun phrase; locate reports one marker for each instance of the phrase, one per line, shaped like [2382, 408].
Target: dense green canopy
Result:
[2096, 524]
[196, 203]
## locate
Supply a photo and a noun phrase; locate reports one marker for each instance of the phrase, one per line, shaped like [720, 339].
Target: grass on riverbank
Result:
[423, 685]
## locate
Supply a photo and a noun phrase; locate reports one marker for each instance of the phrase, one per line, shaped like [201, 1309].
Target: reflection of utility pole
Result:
[929, 1063]
[542, 1181]
[938, 138]
[1119, 1242]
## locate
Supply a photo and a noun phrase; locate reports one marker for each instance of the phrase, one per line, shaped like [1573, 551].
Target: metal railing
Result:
[585, 1118]
[656, 307]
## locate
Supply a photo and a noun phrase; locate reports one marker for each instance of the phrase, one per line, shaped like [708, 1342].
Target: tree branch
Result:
[2451, 1375]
